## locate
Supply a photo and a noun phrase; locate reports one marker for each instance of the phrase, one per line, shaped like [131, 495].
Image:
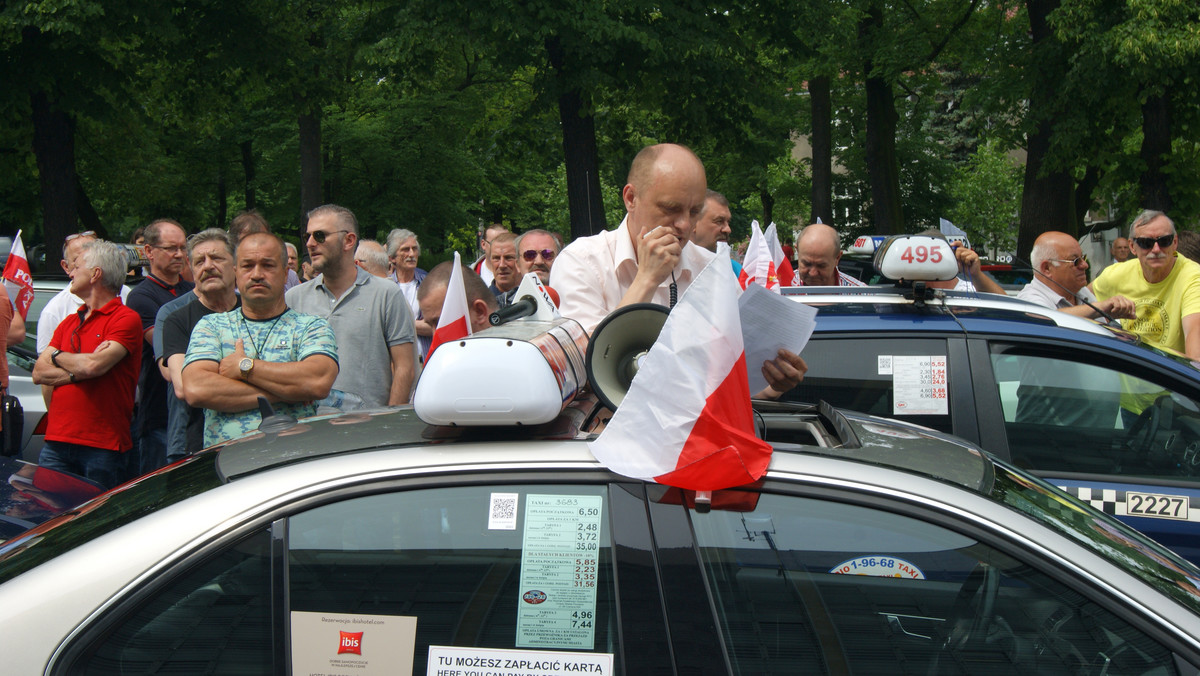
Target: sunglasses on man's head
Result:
[1148, 243]
[532, 254]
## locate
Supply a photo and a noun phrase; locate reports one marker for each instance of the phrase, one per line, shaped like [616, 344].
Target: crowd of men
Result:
[135, 379]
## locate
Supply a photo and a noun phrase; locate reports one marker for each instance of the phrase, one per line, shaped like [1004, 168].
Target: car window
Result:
[1062, 415]
[905, 379]
[815, 586]
[452, 577]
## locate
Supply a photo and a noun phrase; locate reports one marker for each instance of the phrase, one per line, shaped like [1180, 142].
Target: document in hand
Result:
[771, 322]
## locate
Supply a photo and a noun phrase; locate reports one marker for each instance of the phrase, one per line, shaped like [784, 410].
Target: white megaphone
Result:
[524, 370]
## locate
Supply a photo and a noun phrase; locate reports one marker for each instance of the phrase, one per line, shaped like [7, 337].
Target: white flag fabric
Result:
[699, 435]
[783, 267]
[17, 280]
[454, 323]
[758, 266]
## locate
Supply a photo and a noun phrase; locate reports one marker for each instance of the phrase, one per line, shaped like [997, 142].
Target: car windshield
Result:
[1127, 548]
[107, 513]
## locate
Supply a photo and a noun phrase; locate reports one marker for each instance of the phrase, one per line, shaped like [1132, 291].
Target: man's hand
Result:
[782, 373]
[1118, 307]
[230, 367]
[658, 253]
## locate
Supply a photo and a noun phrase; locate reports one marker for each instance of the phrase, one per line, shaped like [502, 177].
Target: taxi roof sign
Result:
[867, 244]
[913, 258]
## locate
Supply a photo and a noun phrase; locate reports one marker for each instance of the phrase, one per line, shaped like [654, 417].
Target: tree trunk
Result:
[768, 206]
[88, 218]
[310, 164]
[1156, 153]
[54, 148]
[1048, 198]
[822, 149]
[584, 200]
[882, 167]
[248, 171]
[1083, 196]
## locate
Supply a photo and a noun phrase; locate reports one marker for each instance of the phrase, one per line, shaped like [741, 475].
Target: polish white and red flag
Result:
[758, 266]
[17, 280]
[702, 436]
[454, 322]
[783, 267]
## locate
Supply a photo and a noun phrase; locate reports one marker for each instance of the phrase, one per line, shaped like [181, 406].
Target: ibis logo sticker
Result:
[533, 597]
[350, 642]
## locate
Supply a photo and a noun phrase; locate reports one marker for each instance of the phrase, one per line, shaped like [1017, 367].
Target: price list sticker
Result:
[560, 555]
[919, 385]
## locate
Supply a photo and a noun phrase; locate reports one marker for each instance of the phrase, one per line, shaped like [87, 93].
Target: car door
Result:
[866, 372]
[838, 581]
[1110, 428]
[447, 576]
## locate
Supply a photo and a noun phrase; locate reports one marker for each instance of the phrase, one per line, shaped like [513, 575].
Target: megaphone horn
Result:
[617, 347]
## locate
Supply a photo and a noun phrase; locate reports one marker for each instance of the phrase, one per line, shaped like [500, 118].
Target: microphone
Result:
[532, 299]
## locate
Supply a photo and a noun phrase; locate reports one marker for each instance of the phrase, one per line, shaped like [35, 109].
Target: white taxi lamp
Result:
[523, 372]
[866, 245]
[917, 259]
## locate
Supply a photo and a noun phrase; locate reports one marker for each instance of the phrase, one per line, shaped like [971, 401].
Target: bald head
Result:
[818, 251]
[665, 188]
[1058, 260]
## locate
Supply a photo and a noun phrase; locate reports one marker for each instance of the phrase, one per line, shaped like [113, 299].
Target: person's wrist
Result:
[54, 357]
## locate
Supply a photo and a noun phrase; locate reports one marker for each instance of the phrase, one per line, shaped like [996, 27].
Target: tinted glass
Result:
[850, 374]
[512, 568]
[808, 586]
[1068, 416]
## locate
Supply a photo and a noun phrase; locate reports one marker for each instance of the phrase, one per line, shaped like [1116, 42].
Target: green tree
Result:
[987, 198]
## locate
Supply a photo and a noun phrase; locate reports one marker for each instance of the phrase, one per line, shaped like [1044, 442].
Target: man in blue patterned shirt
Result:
[261, 349]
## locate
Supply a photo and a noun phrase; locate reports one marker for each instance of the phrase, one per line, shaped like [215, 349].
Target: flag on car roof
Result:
[17, 280]
[454, 323]
[758, 266]
[701, 437]
[783, 266]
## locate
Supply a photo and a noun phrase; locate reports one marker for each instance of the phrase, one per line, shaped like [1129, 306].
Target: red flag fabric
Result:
[783, 266]
[454, 323]
[17, 280]
[702, 436]
[758, 266]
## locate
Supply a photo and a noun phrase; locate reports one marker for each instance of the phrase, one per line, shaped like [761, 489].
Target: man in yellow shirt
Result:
[1164, 286]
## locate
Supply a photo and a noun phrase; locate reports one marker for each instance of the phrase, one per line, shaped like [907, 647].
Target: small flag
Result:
[701, 437]
[454, 323]
[17, 280]
[783, 267]
[758, 266]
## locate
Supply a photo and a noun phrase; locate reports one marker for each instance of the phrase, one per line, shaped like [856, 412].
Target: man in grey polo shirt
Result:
[370, 319]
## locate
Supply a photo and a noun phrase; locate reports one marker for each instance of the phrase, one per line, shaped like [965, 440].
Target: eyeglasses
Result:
[170, 249]
[1148, 243]
[320, 235]
[532, 254]
[89, 233]
[1076, 261]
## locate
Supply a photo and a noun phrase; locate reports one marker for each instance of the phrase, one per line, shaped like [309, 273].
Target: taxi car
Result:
[1084, 406]
[372, 542]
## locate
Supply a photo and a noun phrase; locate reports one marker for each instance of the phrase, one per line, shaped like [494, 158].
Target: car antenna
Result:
[272, 422]
[1062, 288]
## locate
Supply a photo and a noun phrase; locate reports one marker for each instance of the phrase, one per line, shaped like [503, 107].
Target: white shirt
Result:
[592, 274]
[1039, 292]
[62, 304]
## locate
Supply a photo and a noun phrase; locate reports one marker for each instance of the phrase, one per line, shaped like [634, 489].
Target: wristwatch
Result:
[246, 365]
[54, 357]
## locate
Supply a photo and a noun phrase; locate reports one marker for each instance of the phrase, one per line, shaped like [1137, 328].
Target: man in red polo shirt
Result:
[92, 363]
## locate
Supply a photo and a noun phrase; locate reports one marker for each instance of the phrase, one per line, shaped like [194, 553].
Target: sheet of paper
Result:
[560, 555]
[464, 661]
[771, 322]
[360, 644]
[919, 385]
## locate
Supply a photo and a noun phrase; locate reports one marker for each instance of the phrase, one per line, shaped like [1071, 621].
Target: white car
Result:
[372, 542]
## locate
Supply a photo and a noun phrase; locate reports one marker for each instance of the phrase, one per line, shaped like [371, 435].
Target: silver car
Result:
[373, 543]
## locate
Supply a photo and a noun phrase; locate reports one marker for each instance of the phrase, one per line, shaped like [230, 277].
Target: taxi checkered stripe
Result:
[1112, 501]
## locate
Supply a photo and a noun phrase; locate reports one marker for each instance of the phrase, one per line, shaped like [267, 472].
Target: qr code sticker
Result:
[502, 514]
[885, 364]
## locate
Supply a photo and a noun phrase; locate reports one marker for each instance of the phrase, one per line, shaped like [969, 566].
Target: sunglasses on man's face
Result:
[320, 235]
[1148, 243]
[532, 254]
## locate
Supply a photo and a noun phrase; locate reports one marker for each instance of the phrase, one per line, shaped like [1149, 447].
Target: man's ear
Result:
[479, 313]
[628, 193]
[63, 263]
